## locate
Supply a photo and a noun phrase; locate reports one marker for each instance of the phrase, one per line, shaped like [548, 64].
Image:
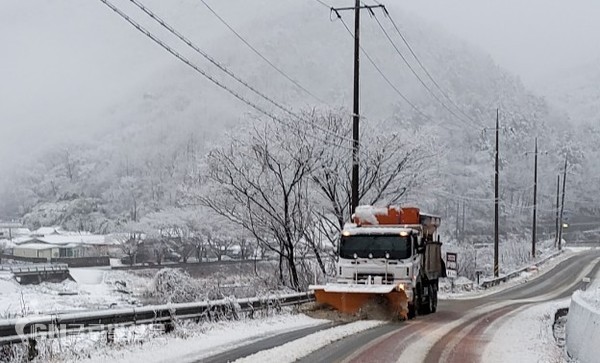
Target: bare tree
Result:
[391, 164]
[261, 182]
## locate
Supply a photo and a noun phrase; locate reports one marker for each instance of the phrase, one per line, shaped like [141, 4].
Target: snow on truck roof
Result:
[351, 229]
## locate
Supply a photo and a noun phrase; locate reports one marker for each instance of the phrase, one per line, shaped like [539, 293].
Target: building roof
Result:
[36, 246]
[45, 231]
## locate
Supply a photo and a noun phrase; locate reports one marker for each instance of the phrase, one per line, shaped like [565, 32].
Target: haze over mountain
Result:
[575, 90]
[123, 113]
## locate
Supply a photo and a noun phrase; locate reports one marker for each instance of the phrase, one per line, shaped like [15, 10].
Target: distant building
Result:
[52, 242]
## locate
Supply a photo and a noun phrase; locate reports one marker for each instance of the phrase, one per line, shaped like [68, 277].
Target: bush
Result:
[175, 286]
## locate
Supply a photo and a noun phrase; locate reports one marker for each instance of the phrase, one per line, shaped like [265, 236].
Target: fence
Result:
[496, 281]
[28, 329]
[71, 261]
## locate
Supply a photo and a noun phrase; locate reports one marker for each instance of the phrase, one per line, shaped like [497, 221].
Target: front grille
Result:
[363, 278]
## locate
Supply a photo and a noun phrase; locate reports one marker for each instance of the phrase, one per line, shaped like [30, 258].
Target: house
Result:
[51, 242]
[43, 248]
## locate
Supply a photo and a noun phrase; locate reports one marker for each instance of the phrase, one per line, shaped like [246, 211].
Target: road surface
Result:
[458, 332]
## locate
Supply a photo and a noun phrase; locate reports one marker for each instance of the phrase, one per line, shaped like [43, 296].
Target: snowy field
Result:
[93, 289]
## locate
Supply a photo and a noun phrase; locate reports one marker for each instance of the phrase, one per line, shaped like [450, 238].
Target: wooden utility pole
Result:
[557, 208]
[535, 175]
[462, 229]
[457, 228]
[496, 198]
[562, 206]
[356, 107]
[356, 102]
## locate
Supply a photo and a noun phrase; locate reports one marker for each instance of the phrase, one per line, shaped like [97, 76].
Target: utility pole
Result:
[356, 104]
[496, 198]
[557, 208]
[457, 229]
[462, 229]
[562, 206]
[535, 175]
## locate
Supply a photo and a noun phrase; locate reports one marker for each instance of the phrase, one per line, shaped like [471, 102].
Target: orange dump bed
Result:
[391, 215]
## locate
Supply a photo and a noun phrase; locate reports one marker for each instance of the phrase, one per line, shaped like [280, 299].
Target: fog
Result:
[62, 64]
[532, 38]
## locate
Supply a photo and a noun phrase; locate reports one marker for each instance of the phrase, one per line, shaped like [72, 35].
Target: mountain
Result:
[575, 91]
[158, 117]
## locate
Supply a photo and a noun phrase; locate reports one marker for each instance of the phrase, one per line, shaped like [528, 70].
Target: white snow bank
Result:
[583, 326]
[591, 298]
[211, 339]
[525, 336]
[299, 348]
[524, 277]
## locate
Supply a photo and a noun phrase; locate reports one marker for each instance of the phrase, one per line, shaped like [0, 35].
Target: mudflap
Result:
[394, 302]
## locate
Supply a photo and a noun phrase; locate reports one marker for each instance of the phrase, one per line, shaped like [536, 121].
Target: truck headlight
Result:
[400, 287]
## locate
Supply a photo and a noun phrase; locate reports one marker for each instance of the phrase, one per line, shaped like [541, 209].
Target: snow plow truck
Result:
[390, 257]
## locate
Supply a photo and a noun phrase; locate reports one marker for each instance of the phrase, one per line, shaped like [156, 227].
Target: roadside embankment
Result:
[583, 326]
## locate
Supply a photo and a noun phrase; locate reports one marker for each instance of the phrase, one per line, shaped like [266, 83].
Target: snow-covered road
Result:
[513, 325]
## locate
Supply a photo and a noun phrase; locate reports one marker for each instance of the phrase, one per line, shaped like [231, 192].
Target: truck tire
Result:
[430, 305]
[434, 297]
[414, 307]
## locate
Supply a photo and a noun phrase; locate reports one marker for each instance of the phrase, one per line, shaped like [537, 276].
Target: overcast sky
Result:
[533, 38]
[62, 59]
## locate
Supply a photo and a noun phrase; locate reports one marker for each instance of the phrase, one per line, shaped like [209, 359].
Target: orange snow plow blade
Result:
[351, 299]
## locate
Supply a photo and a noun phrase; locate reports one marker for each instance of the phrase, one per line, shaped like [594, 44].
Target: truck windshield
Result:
[397, 246]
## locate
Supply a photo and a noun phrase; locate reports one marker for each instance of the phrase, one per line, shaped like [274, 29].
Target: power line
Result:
[410, 67]
[189, 43]
[271, 64]
[325, 5]
[421, 65]
[206, 75]
[386, 79]
[442, 91]
[181, 37]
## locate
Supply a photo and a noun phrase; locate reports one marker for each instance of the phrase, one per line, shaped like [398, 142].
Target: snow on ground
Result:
[466, 289]
[592, 294]
[526, 336]
[93, 289]
[210, 339]
[299, 348]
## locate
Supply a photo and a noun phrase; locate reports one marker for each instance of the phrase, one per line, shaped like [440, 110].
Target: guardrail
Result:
[496, 281]
[28, 329]
[16, 269]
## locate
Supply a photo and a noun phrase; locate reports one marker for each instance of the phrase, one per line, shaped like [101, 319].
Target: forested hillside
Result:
[151, 157]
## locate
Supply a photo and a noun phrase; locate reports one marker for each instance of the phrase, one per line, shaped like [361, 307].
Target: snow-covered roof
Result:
[23, 239]
[375, 230]
[72, 239]
[44, 231]
[63, 240]
[36, 246]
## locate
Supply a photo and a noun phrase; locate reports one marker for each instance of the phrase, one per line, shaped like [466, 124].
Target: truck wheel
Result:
[434, 298]
[414, 306]
[428, 307]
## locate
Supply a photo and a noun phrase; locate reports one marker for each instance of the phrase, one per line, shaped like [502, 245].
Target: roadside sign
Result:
[451, 264]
